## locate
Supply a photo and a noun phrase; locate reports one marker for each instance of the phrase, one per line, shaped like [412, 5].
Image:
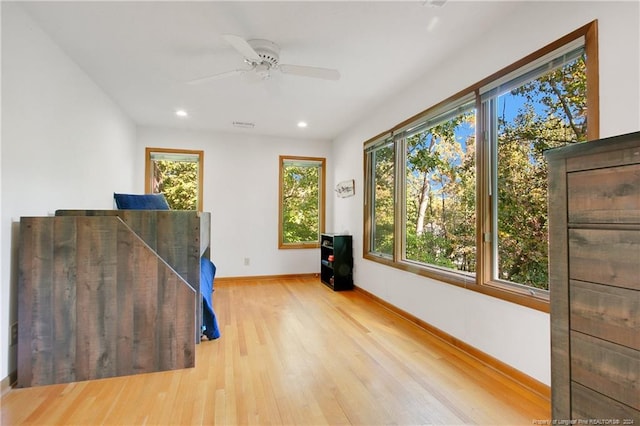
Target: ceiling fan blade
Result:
[243, 47]
[218, 76]
[314, 72]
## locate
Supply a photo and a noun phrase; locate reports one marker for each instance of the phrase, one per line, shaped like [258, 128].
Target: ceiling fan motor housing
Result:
[267, 50]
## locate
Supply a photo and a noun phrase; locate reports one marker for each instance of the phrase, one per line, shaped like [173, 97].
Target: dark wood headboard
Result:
[106, 293]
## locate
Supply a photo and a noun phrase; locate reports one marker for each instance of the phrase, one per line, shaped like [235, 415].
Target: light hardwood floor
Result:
[294, 352]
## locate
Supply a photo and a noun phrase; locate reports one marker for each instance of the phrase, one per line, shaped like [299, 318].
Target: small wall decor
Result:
[346, 188]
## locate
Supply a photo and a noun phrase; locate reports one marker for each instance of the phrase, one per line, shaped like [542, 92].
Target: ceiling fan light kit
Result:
[263, 56]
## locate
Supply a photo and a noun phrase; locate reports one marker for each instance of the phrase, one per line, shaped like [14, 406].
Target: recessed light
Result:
[181, 113]
[302, 124]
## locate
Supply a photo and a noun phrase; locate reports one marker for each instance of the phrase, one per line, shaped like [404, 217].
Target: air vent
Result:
[434, 3]
[244, 124]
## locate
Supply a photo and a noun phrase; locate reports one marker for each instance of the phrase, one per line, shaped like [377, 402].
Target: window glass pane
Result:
[177, 177]
[382, 160]
[547, 112]
[440, 184]
[301, 201]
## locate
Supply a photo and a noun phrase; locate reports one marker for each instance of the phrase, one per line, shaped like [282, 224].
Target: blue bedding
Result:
[209, 321]
[140, 201]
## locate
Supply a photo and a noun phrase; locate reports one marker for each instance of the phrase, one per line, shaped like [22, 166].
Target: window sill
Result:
[298, 246]
[467, 281]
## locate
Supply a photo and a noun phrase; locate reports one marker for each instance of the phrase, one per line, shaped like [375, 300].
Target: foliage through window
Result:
[302, 197]
[382, 197]
[469, 176]
[440, 178]
[545, 112]
[177, 174]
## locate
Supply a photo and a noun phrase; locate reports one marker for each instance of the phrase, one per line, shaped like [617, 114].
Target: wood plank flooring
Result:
[294, 352]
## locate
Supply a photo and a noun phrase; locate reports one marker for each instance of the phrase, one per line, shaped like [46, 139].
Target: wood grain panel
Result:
[609, 195]
[598, 155]
[35, 340]
[559, 291]
[610, 369]
[26, 255]
[605, 256]
[185, 319]
[606, 312]
[166, 315]
[64, 285]
[589, 404]
[145, 313]
[172, 231]
[97, 276]
[125, 289]
[95, 301]
[151, 225]
[193, 243]
[143, 223]
[179, 237]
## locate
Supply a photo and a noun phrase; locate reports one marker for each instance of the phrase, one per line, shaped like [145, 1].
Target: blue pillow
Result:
[141, 201]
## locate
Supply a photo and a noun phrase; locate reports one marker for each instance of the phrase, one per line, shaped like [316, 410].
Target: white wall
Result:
[514, 334]
[241, 192]
[65, 144]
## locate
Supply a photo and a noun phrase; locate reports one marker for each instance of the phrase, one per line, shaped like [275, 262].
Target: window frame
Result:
[322, 200]
[148, 168]
[437, 116]
[369, 197]
[482, 281]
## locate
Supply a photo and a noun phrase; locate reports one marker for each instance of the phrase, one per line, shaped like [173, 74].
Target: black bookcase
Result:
[336, 261]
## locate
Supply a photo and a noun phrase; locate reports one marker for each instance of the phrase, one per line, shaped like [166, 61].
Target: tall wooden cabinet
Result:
[336, 261]
[594, 272]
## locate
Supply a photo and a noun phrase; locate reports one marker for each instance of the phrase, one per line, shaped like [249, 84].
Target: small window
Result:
[177, 174]
[302, 202]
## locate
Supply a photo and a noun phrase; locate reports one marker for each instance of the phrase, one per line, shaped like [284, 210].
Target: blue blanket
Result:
[209, 321]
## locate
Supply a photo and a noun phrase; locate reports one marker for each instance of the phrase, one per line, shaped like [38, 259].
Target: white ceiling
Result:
[143, 53]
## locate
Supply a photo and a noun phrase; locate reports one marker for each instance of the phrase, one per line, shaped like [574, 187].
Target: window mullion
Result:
[399, 197]
[484, 181]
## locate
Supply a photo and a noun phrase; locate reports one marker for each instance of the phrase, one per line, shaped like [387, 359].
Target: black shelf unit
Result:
[337, 274]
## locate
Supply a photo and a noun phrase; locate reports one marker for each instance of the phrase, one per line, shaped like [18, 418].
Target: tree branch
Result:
[566, 109]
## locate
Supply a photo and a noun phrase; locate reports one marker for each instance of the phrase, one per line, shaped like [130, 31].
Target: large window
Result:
[459, 193]
[440, 190]
[380, 199]
[302, 199]
[176, 173]
[541, 109]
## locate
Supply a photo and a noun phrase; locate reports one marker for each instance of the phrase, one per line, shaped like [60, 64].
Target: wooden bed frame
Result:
[104, 293]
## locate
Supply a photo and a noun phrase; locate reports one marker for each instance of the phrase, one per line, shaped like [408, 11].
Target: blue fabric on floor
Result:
[209, 321]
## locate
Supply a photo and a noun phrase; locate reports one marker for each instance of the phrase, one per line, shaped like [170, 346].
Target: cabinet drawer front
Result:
[604, 195]
[610, 369]
[627, 152]
[610, 313]
[605, 256]
[589, 404]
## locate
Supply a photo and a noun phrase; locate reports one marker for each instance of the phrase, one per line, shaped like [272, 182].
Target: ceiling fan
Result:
[263, 56]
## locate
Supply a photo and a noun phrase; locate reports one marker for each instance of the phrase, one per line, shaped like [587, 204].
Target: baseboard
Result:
[7, 382]
[266, 277]
[514, 374]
